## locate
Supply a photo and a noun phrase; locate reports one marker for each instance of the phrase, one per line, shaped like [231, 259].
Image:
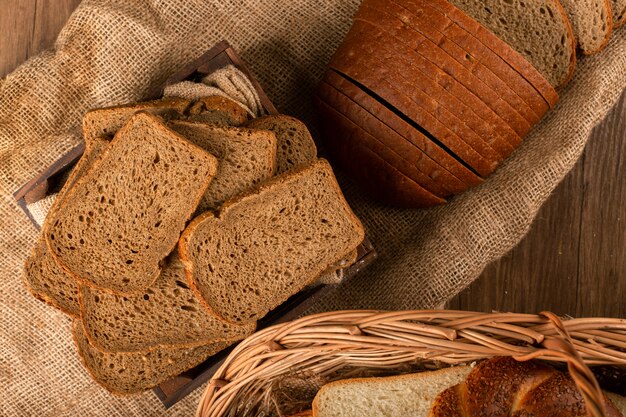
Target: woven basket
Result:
[263, 375]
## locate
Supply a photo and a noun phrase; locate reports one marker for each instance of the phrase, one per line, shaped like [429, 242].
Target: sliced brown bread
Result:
[538, 30]
[592, 23]
[167, 314]
[295, 144]
[105, 122]
[130, 373]
[381, 179]
[43, 277]
[618, 7]
[125, 215]
[268, 244]
[217, 110]
[245, 158]
[422, 34]
[403, 129]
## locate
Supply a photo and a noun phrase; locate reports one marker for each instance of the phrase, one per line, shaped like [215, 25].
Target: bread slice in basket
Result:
[125, 215]
[268, 244]
[129, 373]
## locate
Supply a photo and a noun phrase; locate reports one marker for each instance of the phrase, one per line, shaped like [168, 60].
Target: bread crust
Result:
[228, 107]
[512, 121]
[342, 104]
[383, 115]
[383, 181]
[609, 31]
[350, 60]
[497, 45]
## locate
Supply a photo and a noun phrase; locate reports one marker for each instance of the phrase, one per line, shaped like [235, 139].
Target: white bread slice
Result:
[396, 396]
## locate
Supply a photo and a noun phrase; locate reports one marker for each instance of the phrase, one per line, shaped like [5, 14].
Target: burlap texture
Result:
[115, 51]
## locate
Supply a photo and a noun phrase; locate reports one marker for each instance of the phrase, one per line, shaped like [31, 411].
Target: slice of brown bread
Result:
[42, 276]
[592, 23]
[167, 314]
[403, 128]
[217, 110]
[618, 7]
[539, 30]
[422, 34]
[130, 373]
[125, 215]
[245, 158]
[105, 122]
[295, 144]
[268, 244]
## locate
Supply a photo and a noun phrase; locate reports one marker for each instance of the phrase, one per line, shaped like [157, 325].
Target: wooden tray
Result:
[52, 178]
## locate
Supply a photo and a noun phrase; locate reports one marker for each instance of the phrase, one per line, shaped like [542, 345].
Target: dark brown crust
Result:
[492, 100]
[609, 31]
[403, 129]
[426, 83]
[237, 114]
[353, 62]
[343, 104]
[494, 43]
[402, 147]
[382, 180]
[86, 177]
[448, 403]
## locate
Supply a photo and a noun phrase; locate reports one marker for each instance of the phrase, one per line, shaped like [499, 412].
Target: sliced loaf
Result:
[43, 277]
[295, 144]
[539, 30]
[270, 243]
[217, 110]
[395, 396]
[167, 314]
[130, 373]
[245, 158]
[125, 215]
[105, 122]
[592, 23]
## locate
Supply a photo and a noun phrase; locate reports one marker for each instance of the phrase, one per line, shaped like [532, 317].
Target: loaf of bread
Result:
[268, 244]
[125, 215]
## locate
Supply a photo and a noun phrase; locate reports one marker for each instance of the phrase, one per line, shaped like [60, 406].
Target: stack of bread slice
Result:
[425, 98]
[147, 307]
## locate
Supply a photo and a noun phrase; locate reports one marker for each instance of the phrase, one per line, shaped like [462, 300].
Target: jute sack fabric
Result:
[115, 51]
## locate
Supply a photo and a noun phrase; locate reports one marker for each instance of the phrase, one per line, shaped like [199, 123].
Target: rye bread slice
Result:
[266, 245]
[131, 373]
[42, 276]
[167, 314]
[404, 128]
[419, 33]
[592, 23]
[105, 122]
[435, 89]
[403, 159]
[217, 110]
[245, 158]
[379, 178]
[295, 145]
[472, 28]
[618, 7]
[125, 215]
[538, 30]
[350, 61]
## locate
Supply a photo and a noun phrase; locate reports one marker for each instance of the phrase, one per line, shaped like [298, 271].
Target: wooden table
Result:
[573, 261]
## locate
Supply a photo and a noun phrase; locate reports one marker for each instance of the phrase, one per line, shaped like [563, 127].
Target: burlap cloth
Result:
[115, 51]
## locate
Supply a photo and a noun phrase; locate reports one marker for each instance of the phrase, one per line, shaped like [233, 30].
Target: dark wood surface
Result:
[573, 261]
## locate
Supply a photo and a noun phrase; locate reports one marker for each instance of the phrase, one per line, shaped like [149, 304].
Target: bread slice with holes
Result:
[130, 373]
[538, 30]
[268, 244]
[105, 122]
[592, 23]
[246, 157]
[618, 7]
[395, 396]
[167, 314]
[125, 215]
[42, 276]
[295, 144]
